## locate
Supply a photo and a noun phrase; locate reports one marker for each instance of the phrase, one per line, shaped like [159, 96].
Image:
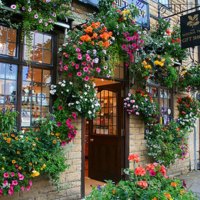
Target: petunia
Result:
[14, 182]
[6, 175]
[20, 176]
[13, 6]
[98, 69]
[79, 74]
[86, 78]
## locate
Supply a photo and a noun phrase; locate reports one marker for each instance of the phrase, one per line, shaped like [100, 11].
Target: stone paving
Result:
[192, 180]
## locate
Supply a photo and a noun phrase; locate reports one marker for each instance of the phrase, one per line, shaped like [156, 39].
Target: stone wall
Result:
[70, 189]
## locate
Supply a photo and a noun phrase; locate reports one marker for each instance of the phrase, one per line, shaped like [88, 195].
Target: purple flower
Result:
[13, 6]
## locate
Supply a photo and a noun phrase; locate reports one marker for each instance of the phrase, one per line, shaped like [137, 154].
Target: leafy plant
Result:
[144, 182]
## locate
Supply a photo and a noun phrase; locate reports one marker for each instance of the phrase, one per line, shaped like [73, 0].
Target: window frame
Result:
[20, 62]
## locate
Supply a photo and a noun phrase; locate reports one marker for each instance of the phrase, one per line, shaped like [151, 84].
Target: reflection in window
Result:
[163, 97]
[8, 85]
[40, 48]
[8, 41]
[106, 121]
[35, 95]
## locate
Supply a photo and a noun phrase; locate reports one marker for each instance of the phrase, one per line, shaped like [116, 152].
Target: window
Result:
[26, 88]
[164, 98]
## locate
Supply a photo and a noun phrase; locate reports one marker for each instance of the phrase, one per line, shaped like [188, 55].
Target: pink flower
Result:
[79, 57]
[30, 183]
[63, 143]
[65, 68]
[11, 191]
[74, 115]
[5, 183]
[85, 69]
[66, 55]
[123, 46]
[1, 192]
[60, 108]
[78, 50]
[98, 69]
[14, 182]
[77, 66]
[28, 188]
[79, 74]
[134, 157]
[36, 16]
[83, 63]
[86, 78]
[59, 124]
[6, 175]
[140, 171]
[22, 188]
[21, 177]
[142, 184]
[13, 6]
[12, 174]
[72, 64]
[152, 172]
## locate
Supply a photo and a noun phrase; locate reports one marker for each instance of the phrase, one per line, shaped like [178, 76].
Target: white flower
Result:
[62, 85]
[96, 60]
[89, 112]
[85, 93]
[70, 83]
[67, 90]
[52, 92]
[59, 82]
[77, 102]
[129, 94]
[104, 51]
[94, 51]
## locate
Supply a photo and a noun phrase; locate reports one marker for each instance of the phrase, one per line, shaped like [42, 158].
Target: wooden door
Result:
[106, 137]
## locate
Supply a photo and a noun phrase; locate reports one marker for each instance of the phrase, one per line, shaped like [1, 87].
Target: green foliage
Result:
[190, 78]
[25, 155]
[166, 143]
[149, 182]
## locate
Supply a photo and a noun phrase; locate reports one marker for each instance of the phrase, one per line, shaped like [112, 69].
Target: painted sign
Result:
[190, 30]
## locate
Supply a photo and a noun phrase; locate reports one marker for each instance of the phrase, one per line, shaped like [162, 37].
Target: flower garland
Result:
[41, 15]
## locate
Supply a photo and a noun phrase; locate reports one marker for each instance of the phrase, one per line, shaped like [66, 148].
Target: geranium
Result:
[140, 171]
[148, 187]
[134, 157]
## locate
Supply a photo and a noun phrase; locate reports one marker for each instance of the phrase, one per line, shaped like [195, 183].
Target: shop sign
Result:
[190, 30]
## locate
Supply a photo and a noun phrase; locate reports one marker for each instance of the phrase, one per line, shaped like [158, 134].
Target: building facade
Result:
[97, 155]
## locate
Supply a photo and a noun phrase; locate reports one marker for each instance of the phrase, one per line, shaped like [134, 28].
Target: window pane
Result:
[40, 50]
[8, 41]
[8, 85]
[35, 96]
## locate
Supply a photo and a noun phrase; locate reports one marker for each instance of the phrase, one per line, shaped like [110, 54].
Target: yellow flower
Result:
[8, 140]
[12, 135]
[182, 192]
[43, 167]
[144, 62]
[13, 161]
[2, 168]
[30, 164]
[20, 168]
[57, 134]
[54, 141]
[157, 62]
[16, 138]
[18, 152]
[163, 60]
[52, 133]
[35, 173]
[147, 66]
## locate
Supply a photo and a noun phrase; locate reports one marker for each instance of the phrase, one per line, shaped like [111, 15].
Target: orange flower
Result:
[92, 43]
[155, 198]
[89, 29]
[134, 157]
[95, 35]
[106, 44]
[85, 38]
[142, 184]
[8, 140]
[106, 35]
[95, 25]
[140, 171]
[167, 195]
[174, 184]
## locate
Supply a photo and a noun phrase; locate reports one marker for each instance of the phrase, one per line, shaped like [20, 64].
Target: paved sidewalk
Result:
[192, 180]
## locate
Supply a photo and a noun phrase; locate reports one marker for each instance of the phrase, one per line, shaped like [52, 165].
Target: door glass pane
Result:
[105, 123]
[8, 85]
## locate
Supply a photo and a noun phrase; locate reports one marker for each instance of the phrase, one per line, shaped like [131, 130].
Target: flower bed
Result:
[144, 182]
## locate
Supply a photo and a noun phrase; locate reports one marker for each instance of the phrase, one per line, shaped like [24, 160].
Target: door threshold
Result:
[90, 183]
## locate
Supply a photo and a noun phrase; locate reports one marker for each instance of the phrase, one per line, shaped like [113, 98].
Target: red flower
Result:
[142, 184]
[60, 108]
[140, 171]
[183, 112]
[134, 157]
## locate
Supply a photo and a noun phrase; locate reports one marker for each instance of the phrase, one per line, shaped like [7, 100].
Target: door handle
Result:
[91, 140]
